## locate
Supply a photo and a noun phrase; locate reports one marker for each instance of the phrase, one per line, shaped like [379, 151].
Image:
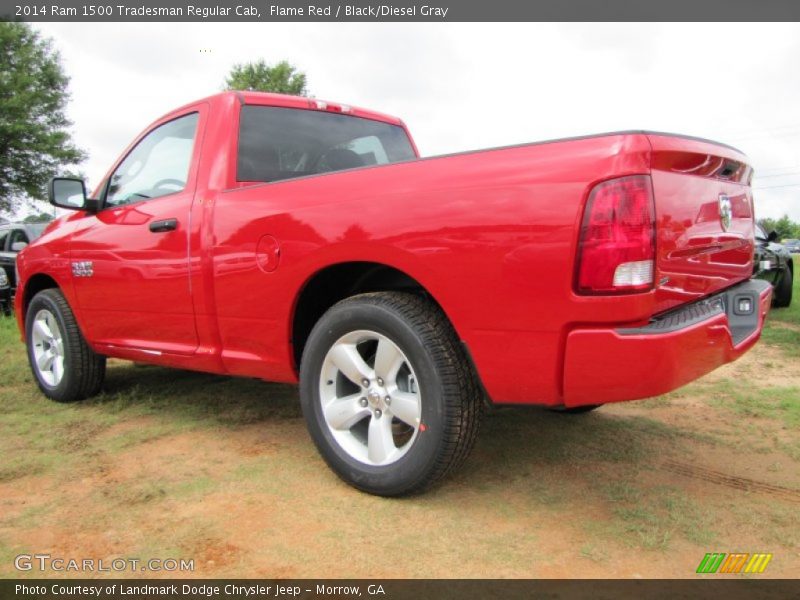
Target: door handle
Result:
[164, 225]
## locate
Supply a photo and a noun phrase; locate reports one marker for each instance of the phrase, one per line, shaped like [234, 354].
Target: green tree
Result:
[767, 224]
[258, 76]
[34, 138]
[40, 218]
[785, 227]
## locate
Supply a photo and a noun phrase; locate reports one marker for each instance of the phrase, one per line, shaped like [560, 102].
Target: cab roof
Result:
[288, 101]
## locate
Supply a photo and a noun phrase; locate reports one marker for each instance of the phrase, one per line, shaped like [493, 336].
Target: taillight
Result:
[617, 248]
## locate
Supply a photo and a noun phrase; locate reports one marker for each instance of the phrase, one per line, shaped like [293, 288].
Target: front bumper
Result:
[612, 365]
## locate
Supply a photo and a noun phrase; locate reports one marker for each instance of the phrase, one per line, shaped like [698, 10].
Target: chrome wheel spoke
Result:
[41, 329]
[343, 413]
[380, 444]
[58, 368]
[388, 360]
[405, 406]
[349, 362]
[45, 360]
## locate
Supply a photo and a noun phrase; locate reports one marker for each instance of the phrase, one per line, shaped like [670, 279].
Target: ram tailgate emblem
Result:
[725, 211]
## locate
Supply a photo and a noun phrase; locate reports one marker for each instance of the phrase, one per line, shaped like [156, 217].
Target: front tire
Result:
[783, 291]
[64, 366]
[389, 396]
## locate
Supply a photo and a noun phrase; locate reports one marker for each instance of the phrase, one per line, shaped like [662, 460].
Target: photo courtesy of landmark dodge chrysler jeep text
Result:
[292, 239]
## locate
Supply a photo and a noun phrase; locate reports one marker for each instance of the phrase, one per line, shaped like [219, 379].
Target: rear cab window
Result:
[277, 143]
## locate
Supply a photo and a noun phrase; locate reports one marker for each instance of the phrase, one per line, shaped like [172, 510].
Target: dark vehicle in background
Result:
[793, 246]
[5, 294]
[13, 238]
[773, 262]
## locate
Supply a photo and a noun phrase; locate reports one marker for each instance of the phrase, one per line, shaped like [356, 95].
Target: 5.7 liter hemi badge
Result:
[84, 268]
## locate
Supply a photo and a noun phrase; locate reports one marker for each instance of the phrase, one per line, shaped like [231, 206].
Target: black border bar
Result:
[399, 10]
[710, 587]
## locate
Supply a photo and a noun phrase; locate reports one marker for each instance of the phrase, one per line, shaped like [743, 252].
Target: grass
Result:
[774, 402]
[173, 463]
[779, 524]
[762, 414]
[593, 553]
[651, 516]
[38, 437]
[787, 339]
[790, 314]
[783, 324]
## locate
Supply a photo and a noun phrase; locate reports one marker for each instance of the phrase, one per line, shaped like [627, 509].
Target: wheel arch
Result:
[338, 281]
[35, 284]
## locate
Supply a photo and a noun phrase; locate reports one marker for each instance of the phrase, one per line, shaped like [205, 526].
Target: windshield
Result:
[36, 229]
[282, 143]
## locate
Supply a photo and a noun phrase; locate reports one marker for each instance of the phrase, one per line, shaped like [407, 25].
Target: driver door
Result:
[130, 261]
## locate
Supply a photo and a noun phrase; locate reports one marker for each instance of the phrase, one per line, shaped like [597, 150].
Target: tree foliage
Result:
[34, 138]
[281, 78]
[40, 218]
[786, 228]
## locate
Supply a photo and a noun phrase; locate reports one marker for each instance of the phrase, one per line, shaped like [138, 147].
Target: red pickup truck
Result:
[292, 239]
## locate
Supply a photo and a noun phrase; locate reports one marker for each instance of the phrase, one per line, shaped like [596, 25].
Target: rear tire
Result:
[389, 396]
[64, 366]
[783, 291]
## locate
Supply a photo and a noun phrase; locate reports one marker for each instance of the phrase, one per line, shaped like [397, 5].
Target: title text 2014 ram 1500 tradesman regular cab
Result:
[291, 239]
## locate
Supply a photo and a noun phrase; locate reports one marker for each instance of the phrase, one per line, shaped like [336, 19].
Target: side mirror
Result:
[772, 236]
[70, 192]
[18, 246]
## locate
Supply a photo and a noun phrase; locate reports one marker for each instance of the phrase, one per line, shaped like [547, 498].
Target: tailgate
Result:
[704, 218]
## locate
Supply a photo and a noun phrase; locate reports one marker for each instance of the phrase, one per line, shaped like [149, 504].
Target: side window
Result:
[17, 235]
[760, 234]
[157, 166]
[3, 238]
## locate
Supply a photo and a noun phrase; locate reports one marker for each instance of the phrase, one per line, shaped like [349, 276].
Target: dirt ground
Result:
[172, 464]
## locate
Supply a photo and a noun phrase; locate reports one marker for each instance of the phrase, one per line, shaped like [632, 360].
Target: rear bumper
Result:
[612, 365]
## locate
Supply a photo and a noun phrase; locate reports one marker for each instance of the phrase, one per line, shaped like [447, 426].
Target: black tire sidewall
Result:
[421, 459]
[45, 300]
[783, 292]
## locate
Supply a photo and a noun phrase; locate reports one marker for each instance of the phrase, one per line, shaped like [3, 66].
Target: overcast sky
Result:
[466, 86]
